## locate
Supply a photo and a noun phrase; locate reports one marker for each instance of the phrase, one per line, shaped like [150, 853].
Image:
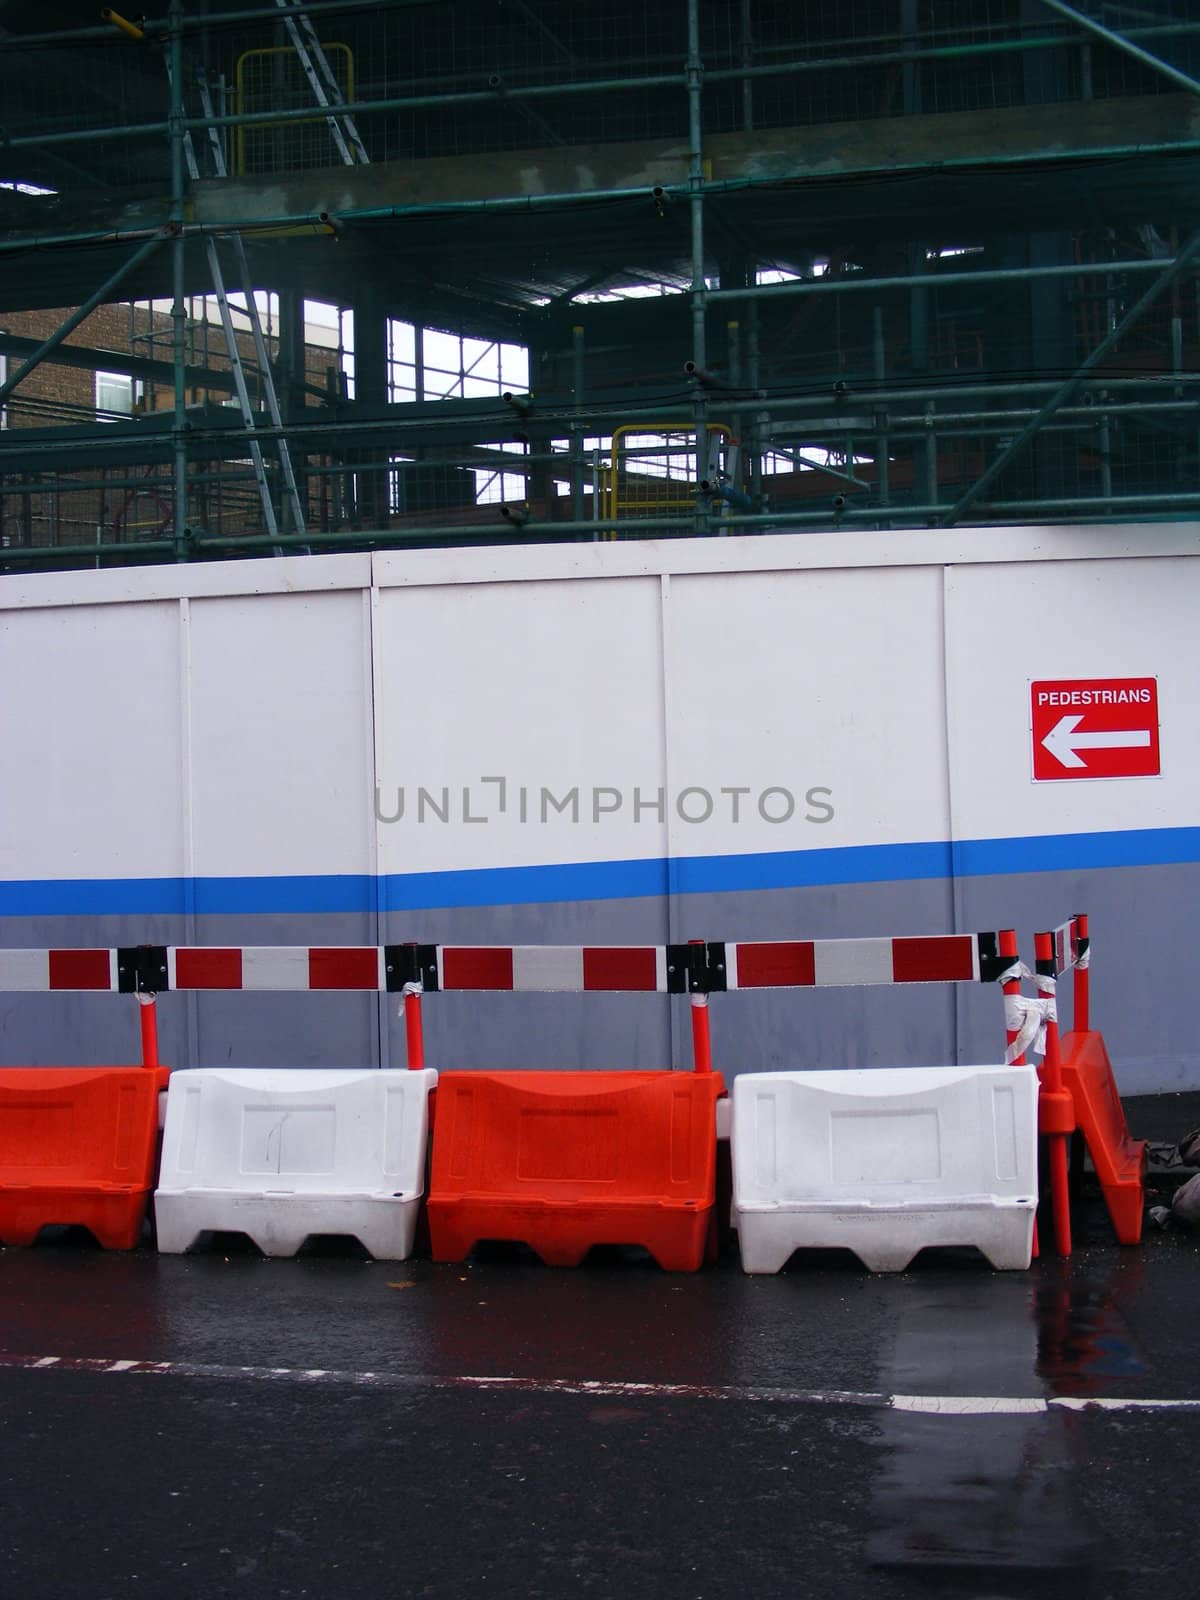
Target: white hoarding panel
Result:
[825, 687]
[90, 734]
[1088, 628]
[518, 724]
[279, 711]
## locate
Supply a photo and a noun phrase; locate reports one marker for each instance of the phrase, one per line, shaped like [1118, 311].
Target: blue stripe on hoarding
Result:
[601, 880]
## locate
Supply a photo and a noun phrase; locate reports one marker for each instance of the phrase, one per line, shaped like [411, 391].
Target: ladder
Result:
[291, 491]
[322, 81]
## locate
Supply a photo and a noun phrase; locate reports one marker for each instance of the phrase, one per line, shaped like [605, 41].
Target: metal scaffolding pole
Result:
[1120, 42]
[694, 78]
[151, 26]
[566, 87]
[935, 280]
[1063, 393]
[177, 133]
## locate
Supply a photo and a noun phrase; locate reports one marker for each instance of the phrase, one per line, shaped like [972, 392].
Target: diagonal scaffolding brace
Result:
[1188, 254]
[98, 298]
[1120, 42]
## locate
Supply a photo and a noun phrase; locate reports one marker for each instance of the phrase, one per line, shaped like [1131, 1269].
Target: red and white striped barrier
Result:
[32, 971]
[698, 969]
[517, 968]
[821, 963]
[662, 969]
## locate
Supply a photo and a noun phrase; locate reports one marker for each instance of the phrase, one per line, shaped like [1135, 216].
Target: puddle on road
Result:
[1085, 1346]
[984, 1507]
[988, 1497]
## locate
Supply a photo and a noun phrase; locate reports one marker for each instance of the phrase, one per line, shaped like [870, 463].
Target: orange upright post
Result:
[1056, 1109]
[1008, 949]
[414, 1033]
[148, 1018]
[701, 1036]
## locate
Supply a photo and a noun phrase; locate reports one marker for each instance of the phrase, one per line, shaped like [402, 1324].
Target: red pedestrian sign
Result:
[1095, 728]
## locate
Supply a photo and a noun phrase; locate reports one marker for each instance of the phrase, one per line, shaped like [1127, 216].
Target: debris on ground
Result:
[1185, 1204]
[1174, 1160]
[1180, 1160]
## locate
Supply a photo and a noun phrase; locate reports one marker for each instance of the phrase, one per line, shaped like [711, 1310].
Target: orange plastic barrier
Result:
[1117, 1156]
[77, 1146]
[563, 1161]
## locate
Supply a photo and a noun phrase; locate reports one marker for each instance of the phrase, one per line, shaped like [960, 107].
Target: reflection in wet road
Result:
[782, 1435]
[998, 1497]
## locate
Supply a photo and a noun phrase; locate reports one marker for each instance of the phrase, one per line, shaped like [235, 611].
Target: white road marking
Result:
[967, 1405]
[945, 1405]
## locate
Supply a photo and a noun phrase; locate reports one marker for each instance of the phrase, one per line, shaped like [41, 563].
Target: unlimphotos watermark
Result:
[496, 797]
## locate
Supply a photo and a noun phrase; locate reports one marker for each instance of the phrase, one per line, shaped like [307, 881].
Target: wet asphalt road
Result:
[669, 1436]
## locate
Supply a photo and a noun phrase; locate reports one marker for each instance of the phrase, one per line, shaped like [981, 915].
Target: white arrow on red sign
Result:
[1064, 741]
[1085, 728]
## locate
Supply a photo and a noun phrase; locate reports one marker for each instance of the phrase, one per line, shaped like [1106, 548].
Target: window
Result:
[499, 487]
[115, 395]
[402, 361]
[332, 328]
[458, 368]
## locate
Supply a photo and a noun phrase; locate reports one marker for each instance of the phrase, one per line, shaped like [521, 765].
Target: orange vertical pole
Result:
[1052, 1086]
[414, 1035]
[413, 988]
[1008, 949]
[701, 1038]
[1080, 1020]
[148, 1017]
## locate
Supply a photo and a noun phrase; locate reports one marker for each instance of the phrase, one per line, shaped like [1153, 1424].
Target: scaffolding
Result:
[889, 260]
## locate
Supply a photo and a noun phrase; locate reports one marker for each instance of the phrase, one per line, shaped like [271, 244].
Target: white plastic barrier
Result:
[885, 1162]
[282, 1154]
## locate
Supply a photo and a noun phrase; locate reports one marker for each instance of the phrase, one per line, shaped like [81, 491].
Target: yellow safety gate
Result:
[274, 80]
[654, 471]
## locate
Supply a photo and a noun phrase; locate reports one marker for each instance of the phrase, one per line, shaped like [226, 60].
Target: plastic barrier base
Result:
[887, 1242]
[279, 1224]
[77, 1149]
[885, 1162]
[563, 1161]
[1119, 1158]
[115, 1220]
[282, 1154]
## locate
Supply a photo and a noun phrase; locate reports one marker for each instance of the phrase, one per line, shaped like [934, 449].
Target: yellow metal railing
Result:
[274, 80]
[654, 471]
